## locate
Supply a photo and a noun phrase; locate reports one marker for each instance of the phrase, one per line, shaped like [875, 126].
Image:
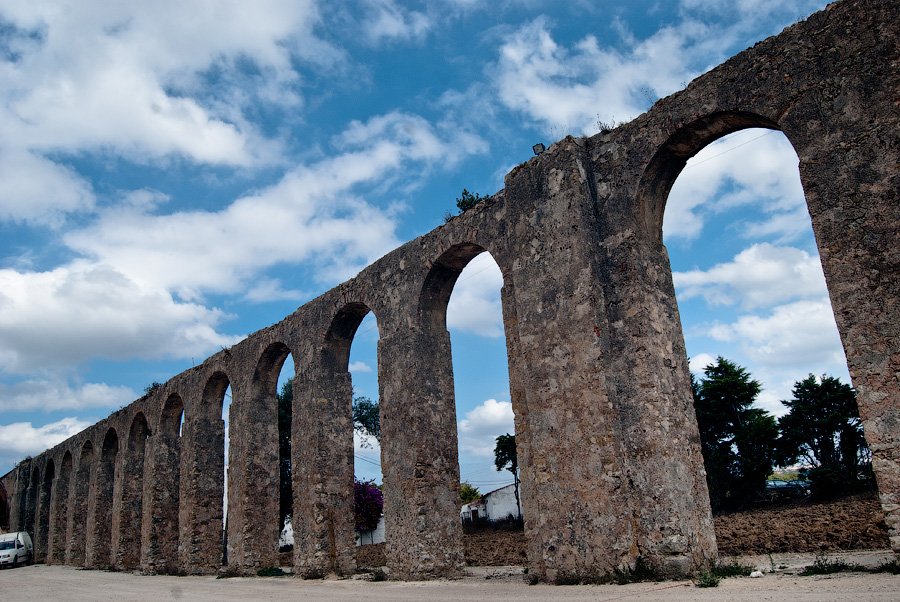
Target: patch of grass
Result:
[707, 580]
[270, 571]
[732, 569]
[825, 566]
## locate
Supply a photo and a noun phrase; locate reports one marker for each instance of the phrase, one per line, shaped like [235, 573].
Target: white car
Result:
[15, 548]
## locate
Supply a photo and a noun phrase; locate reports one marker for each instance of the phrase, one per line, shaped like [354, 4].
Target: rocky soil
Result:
[851, 523]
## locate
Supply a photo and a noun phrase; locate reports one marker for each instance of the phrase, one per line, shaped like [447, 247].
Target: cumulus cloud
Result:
[386, 20]
[312, 212]
[83, 310]
[56, 394]
[574, 88]
[797, 334]
[480, 428]
[22, 438]
[128, 76]
[475, 303]
[760, 276]
[359, 367]
[752, 168]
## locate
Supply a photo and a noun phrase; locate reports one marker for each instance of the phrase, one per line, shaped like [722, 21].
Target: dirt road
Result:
[59, 583]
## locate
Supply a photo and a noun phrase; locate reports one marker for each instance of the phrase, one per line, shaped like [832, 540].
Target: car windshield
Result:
[7, 545]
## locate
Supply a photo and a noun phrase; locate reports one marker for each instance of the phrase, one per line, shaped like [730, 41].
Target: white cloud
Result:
[54, 394]
[312, 213]
[386, 20]
[127, 76]
[359, 367]
[574, 88]
[36, 190]
[475, 304]
[480, 428]
[752, 168]
[22, 438]
[83, 310]
[798, 334]
[699, 362]
[760, 276]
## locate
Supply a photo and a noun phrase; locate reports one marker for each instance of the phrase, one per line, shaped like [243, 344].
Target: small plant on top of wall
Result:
[464, 202]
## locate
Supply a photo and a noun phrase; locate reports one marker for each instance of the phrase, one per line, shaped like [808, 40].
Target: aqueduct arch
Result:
[609, 450]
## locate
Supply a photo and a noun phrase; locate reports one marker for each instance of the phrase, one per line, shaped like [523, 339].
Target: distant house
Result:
[496, 505]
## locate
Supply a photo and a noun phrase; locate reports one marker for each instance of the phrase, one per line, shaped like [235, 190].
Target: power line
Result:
[721, 141]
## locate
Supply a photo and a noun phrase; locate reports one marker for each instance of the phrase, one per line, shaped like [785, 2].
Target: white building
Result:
[496, 505]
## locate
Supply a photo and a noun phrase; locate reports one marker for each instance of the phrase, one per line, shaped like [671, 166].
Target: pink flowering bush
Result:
[369, 503]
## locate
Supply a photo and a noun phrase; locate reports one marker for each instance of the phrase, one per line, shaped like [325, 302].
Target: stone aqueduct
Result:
[608, 445]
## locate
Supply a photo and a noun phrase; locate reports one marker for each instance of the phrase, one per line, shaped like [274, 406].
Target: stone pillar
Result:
[128, 518]
[161, 495]
[610, 461]
[852, 186]
[419, 458]
[98, 531]
[200, 546]
[42, 527]
[17, 495]
[31, 501]
[253, 482]
[78, 504]
[322, 475]
[59, 513]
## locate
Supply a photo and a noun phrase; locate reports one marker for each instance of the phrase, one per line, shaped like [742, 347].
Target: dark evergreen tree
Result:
[737, 440]
[822, 430]
[285, 489]
[505, 457]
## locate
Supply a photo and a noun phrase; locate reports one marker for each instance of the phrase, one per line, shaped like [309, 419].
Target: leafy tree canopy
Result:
[737, 440]
[822, 430]
[467, 493]
[366, 420]
[468, 200]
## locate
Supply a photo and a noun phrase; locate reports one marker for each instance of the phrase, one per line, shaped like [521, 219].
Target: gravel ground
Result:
[50, 583]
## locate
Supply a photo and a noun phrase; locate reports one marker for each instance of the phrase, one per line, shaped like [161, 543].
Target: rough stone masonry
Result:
[607, 439]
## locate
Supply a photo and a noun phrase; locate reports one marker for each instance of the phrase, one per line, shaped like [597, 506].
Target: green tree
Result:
[505, 457]
[285, 490]
[737, 440]
[822, 430]
[366, 419]
[468, 200]
[467, 493]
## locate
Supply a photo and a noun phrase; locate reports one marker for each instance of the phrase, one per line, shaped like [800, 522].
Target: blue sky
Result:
[176, 175]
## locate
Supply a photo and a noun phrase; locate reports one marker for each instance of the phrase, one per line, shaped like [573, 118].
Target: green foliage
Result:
[152, 387]
[737, 440]
[366, 419]
[285, 490]
[270, 571]
[822, 430]
[825, 566]
[707, 580]
[467, 493]
[505, 457]
[505, 454]
[468, 200]
[892, 567]
[732, 569]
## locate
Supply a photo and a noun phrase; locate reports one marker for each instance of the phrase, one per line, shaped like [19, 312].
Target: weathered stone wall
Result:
[607, 439]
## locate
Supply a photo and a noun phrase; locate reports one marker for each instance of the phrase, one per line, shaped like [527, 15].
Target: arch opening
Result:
[128, 522]
[45, 499]
[746, 269]
[59, 511]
